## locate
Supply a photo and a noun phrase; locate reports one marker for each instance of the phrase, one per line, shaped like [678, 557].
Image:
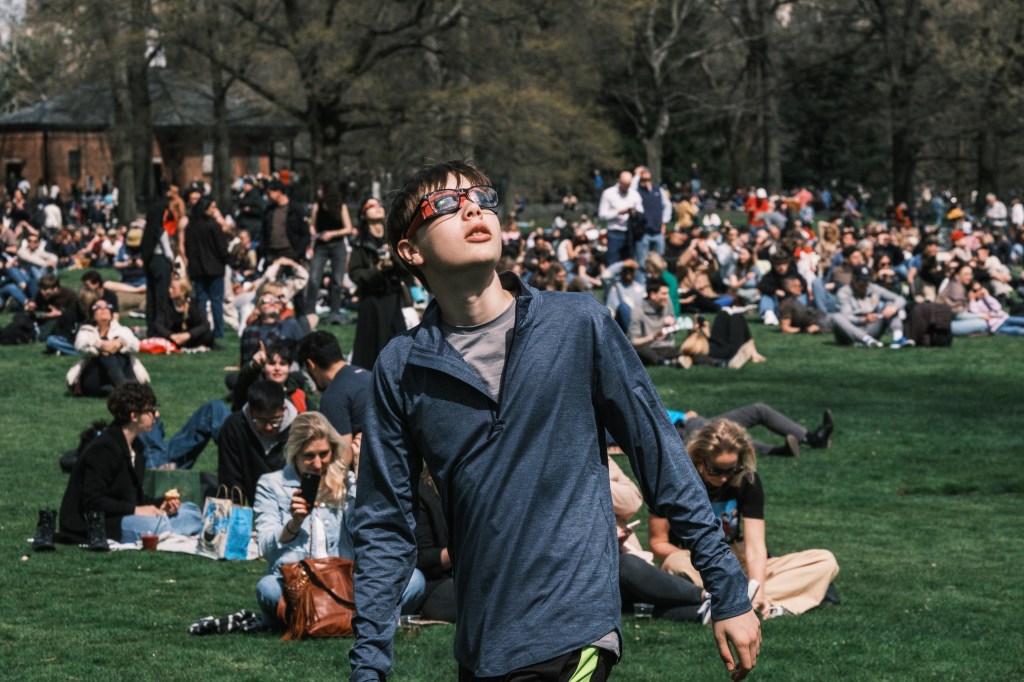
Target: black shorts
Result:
[589, 664]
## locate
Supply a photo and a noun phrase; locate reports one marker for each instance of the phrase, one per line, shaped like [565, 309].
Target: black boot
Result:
[821, 437]
[43, 540]
[97, 522]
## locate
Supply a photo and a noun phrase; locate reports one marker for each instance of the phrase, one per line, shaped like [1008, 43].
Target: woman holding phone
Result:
[291, 526]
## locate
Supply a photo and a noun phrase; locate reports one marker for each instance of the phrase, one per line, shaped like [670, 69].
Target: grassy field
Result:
[919, 498]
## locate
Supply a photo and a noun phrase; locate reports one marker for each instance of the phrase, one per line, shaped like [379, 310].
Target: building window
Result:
[75, 164]
[208, 158]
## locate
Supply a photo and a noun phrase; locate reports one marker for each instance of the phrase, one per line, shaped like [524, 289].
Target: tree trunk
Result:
[221, 180]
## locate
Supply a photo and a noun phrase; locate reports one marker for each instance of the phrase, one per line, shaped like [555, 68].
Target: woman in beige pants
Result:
[723, 455]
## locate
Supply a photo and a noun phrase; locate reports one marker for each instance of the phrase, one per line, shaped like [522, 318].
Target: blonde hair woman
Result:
[724, 457]
[287, 529]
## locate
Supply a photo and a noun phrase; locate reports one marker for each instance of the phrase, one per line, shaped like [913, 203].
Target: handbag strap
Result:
[235, 490]
[313, 572]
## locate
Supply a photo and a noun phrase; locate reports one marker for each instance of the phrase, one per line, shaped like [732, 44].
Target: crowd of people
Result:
[659, 262]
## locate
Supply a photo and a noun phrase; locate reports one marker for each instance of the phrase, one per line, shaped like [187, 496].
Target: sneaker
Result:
[777, 611]
[685, 361]
[903, 342]
[704, 611]
[871, 342]
[770, 319]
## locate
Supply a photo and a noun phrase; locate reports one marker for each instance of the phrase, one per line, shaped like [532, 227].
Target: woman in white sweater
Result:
[106, 353]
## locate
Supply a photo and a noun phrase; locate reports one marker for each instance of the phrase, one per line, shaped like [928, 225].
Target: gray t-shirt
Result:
[485, 346]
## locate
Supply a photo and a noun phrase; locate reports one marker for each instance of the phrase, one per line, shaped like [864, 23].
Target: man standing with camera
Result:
[618, 204]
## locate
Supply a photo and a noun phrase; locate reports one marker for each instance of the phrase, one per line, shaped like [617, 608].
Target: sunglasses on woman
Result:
[715, 472]
[447, 201]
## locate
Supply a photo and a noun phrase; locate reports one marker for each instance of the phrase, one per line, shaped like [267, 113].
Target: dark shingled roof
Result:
[176, 103]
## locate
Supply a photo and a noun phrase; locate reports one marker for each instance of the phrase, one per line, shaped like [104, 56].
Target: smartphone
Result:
[310, 484]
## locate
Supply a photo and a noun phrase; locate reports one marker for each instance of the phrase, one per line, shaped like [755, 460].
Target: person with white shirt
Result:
[618, 203]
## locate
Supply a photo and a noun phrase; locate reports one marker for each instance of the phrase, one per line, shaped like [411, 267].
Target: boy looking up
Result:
[505, 393]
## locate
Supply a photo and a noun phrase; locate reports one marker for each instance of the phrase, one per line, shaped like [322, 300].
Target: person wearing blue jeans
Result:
[184, 447]
[13, 285]
[108, 478]
[657, 211]
[210, 290]
[188, 521]
[289, 529]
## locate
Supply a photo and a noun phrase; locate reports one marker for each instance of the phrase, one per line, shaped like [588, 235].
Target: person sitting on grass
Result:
[269, 326]
[673, 597]
[647, 332]
[954, 294]
[107, 353]
[728, 343]
[867, 311]
[984, 305]
[787, 585]
[180, 320]
[252, 440]
[108, 476]
[795, 317]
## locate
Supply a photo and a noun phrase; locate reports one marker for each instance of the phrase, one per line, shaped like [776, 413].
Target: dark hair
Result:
[130, 398]
[332, 199]
[49, 282]
[201, 207]
[406, 200]
[779, 258]
[281, 349]
[320, 347]
[654, 284]
[92, 277]
[265, 396]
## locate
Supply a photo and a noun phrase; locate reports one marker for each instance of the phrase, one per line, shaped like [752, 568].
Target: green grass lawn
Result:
[919, 498]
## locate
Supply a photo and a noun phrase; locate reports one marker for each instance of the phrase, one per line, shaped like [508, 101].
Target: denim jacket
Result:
[524, 485]
[272, 511]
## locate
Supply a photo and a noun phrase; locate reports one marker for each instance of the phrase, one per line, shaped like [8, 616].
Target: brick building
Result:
[64, 140]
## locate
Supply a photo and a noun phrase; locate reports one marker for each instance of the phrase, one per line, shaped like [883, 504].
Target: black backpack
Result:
[20, 331]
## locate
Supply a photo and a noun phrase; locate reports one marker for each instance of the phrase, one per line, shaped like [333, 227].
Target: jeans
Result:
[618, 247]
[1011, 326]
[335, 251]
[965, 324]
[270, 589]
[766, 304]
[12, 290]
[184, 447]
[59, 344]
[211, 290]
[824, 300]
[188, 521]
[648, 243]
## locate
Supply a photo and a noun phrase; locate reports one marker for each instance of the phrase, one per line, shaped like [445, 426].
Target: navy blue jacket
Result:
[524, 485]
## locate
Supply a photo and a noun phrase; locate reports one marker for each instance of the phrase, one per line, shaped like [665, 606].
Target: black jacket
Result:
[104, 480]
[241, 457]
[206, 247]
[294, 225]
[169, 321]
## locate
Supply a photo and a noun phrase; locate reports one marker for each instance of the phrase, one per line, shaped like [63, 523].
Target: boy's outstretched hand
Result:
[743, 632]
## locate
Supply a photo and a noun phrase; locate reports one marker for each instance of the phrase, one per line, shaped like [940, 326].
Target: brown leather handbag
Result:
[318, 598]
